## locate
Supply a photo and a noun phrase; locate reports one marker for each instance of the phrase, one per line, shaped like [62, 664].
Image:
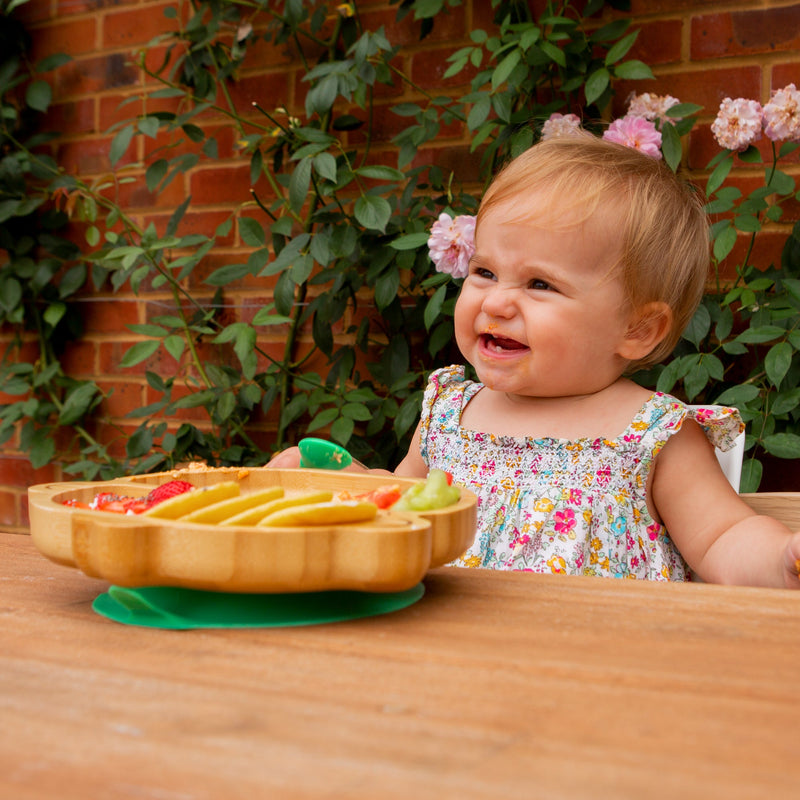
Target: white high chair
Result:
[731, 460]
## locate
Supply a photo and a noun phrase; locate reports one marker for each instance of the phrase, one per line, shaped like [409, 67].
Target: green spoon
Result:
[321, 454]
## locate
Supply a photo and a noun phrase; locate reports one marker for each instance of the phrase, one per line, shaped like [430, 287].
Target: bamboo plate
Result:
[389, 554]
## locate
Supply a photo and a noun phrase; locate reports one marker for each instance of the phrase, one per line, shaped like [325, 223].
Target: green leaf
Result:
[620, 48]
[633, 71]
[139, 352]
[356, 411]
[140, 443]
[175, 346]
[299, 184]
[434, 307]
[407, 415]
[38, 95]
[747, 223]
[41, 449]
[777, 362]
[671, 146]
[760, 334]
[342, 430]
[372, 212]
[698, 327]
[724, 242]
[155, 173]
[596, 84]
[779, 182]
[251, 231]
[782, 445]
[386, 288]
[553, 52]
[120, 143]
[148, 126]
[380, 173]
[325, 166]
[786, 401]
[504, 69]
[410, 241]
[77, 403]
[228, 274]
[752, 470]
[479, 112]
[738, 395]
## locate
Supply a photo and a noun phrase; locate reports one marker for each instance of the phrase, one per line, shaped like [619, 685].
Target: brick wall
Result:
[701, 51]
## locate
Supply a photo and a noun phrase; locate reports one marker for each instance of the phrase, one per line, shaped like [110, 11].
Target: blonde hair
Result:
[662, 224]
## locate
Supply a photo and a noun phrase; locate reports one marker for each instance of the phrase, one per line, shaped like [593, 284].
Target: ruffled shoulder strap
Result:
[722, 425]
[443, 401]
[663, 415]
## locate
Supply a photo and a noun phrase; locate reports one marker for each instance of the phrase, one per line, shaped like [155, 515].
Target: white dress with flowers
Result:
[552, 505]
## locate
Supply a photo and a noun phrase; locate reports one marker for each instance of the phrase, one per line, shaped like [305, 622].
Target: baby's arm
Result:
[722, 539]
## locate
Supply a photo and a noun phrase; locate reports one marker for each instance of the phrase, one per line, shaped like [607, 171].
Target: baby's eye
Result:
[482, 272]
[541, 286]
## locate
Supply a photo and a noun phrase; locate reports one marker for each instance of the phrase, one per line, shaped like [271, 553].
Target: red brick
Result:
[703, 147]
[79, 359]
[640, 8]
[766, 250]
[204, 222]
[121, 398]
[17, 471]
[109, 315]
[87, 76]
[72, 118]
[464, 165]
[90, 156]
[136, 26]
[87, 6]
[448, 26]
[707, 87]
[9, 508]
[428, 68]
[118, 108]
[33, 12]
[134, 196]
[269, 89]
[229, 183]
[658, 42]
[73, 36]
[784, 74]
[763, 30]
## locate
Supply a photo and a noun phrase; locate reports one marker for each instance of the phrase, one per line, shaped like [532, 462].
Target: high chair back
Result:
[730, 460]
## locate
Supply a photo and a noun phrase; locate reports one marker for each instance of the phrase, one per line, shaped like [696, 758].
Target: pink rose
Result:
[782, 115]
[738, 123]
[560, 125]
[452, 244]
[636, 132]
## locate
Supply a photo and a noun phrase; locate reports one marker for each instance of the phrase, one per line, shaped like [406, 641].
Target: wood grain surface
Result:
[494, 685]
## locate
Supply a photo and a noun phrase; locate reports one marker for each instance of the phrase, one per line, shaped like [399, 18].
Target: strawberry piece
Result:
[167, 490]
[135, 505]
[75, 504]
[103, 500]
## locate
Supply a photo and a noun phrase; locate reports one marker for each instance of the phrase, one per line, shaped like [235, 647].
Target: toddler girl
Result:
[590, 259]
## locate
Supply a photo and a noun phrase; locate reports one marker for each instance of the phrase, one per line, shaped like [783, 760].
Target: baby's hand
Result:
[791, 562]
[286, 459]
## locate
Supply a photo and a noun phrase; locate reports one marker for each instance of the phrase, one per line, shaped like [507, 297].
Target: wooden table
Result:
[494, 686]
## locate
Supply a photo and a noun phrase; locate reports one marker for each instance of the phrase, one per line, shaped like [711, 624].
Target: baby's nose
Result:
[500, 301]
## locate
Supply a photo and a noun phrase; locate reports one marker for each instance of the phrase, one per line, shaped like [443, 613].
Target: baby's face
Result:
[542, 312]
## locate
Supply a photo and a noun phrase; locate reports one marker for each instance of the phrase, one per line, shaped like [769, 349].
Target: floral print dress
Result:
[552, 505]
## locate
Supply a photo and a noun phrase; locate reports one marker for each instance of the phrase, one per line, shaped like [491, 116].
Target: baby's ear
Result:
[647, 327]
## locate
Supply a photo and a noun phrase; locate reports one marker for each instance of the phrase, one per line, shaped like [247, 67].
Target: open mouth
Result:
[500, 345]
